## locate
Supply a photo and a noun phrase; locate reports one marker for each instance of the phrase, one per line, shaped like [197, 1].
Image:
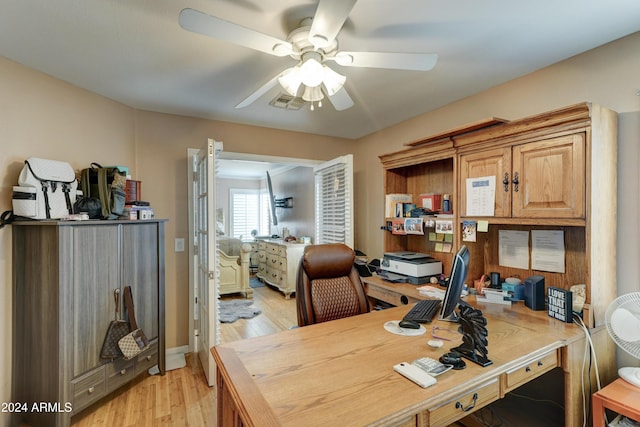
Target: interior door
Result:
[334, 201]
[206, 310]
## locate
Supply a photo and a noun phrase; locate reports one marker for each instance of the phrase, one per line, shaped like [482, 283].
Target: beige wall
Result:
[44, 117]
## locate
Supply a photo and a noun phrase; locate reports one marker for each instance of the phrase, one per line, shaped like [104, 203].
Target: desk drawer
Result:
[524, 373]
[395, 298]
[465, 404]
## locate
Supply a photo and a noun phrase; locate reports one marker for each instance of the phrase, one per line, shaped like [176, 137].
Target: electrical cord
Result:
[593, 362]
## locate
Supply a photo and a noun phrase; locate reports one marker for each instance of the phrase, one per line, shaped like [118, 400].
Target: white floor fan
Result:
[623, 324]
[313, 45]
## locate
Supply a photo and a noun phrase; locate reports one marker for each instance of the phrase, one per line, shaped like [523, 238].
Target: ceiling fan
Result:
[313, 45]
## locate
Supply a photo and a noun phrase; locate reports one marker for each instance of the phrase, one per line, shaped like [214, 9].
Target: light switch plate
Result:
[179, 245]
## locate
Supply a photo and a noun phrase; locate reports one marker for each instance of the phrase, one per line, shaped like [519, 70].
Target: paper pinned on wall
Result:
[513, 249]
[481, 196]
[547, 250]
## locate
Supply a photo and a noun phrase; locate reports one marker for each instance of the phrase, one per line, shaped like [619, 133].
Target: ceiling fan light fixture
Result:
[312, 94]
[311, 70]
[290, 80]
[332, 80]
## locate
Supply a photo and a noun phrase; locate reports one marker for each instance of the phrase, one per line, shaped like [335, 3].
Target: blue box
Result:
[516, 292]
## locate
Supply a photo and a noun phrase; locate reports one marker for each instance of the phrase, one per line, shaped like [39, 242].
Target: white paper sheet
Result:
[547, 250]
[481, 196]
[513, 250]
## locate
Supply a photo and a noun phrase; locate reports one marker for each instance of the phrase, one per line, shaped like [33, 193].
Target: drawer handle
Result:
[122, 372]
[148, 357]
[539, 362]
[470, 407]
[91, 390]
[527, 369]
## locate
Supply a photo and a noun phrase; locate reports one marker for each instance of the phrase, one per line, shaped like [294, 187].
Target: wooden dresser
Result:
[278, 263]
[65, 274]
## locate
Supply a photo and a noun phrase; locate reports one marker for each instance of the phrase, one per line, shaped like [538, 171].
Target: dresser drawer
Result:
[119, 372]
[273, 249]
[262, 245]
[524, 373]
[147, 358]
[88, 388]
[465, 404]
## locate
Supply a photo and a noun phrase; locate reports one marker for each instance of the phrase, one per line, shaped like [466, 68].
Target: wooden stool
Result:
[620, 397]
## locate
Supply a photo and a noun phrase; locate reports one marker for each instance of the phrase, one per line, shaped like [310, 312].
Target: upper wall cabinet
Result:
[542, 179]
[553, 171]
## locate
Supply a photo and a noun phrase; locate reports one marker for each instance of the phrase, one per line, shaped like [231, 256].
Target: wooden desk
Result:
[620, 397]
[340, 372]
[394, 293]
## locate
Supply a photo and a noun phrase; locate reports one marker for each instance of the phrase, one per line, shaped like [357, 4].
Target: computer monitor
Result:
[457, 277]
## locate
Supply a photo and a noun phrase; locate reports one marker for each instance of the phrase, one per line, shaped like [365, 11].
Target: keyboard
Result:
[423, 311]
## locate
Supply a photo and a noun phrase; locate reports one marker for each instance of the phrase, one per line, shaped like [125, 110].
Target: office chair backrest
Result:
[328, 286]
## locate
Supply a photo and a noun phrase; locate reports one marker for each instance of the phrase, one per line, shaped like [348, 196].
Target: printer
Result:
[417, 267]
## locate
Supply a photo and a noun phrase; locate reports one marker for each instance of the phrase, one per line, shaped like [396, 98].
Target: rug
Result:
[254, 282]
[232, 310]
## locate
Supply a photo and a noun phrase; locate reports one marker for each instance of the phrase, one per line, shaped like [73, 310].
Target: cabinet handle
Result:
[91, 390]
[122, 372]
[470, 407]
[148, 357]
[505, 182]
[527, 369]
[515, 181]
[539, 362]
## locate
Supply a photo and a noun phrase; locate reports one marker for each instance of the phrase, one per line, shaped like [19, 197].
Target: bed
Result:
[234, 259]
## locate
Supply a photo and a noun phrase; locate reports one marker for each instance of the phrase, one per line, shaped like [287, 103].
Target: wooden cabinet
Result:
[553, 171]
[65, 274]
[278, 264]
[542, 179]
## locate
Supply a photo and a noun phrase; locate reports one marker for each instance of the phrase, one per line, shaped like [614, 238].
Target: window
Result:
[249, 211]
[334, 195]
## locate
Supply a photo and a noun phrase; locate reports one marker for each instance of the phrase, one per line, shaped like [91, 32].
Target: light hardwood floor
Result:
[181, 397]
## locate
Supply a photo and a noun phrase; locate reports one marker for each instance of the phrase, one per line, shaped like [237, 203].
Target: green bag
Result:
[106, 184]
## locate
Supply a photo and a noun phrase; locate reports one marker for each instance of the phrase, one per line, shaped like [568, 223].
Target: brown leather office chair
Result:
[328, 286]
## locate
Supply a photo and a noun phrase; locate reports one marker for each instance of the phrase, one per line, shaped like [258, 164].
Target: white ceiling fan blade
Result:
[258, 93]
[395, 60]
[202, 23]
[328, 21]
[341, 100]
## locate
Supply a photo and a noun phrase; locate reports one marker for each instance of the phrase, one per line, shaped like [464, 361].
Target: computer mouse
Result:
[409, 324]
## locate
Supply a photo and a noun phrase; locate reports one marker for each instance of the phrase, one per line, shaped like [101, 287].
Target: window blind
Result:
[333, 204]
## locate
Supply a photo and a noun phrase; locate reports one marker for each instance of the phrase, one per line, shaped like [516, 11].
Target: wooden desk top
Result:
[340, 372]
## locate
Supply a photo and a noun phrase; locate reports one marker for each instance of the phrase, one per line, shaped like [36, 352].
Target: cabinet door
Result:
[551, 176]
[96, 273]
[496, 162]
[140, 271]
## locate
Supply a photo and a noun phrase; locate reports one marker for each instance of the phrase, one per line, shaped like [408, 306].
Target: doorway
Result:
[332, 197]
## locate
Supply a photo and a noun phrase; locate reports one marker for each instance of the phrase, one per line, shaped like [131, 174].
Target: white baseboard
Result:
[177, 350]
